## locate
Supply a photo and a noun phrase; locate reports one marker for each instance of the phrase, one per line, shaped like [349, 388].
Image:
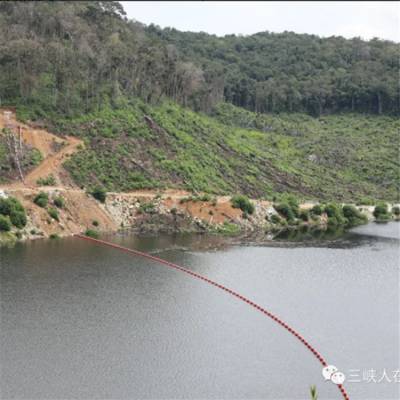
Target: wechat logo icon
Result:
[331, 373]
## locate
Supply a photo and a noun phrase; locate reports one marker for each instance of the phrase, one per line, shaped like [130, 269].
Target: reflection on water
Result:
[82, 321]
[305, 233]
[339, 237]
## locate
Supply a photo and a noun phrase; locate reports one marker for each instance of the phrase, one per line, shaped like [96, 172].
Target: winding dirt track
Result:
[46, 143]
[53, 163]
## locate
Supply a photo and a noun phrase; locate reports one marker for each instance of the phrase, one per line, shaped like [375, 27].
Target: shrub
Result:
[41, 200]
[292, 202]
[92, 233]
[365, 201]
[10, 204]
[95, 223]
[285, 210]
[18, 218]
[304, 215]
[381, 212]
[228, 229]
[275, 219]
[99, 193]
[59, 202]
[335, 214]
[396, 211]
[49, 181]
[243, 203]
[5, 224]
[316, 210]
[353, 215]
[54, 236]
[147, 208]
[12, 208]
[53, 213]
[205, 197]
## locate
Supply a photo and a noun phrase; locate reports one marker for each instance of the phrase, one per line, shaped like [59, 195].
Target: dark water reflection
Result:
[80, 321]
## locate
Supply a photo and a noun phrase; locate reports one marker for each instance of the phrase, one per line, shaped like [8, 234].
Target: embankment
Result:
[147, 211]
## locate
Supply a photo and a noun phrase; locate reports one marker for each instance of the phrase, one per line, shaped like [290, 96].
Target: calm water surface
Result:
[81, 321]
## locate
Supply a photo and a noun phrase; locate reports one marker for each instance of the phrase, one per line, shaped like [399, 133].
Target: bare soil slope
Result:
[55, 151]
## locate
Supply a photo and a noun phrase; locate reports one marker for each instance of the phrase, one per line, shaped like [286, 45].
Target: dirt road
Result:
[54, 150]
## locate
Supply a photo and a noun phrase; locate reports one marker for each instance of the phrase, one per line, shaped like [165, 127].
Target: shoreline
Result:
[148, 211]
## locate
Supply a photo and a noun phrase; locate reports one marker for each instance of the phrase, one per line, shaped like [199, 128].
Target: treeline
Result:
[73, 57]
[269, 72]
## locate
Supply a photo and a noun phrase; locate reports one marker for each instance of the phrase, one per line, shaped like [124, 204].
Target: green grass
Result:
[226, 229]
[345, 157]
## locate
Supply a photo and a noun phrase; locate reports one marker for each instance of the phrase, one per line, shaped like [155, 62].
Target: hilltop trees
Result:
[69, 57]
[269, 72]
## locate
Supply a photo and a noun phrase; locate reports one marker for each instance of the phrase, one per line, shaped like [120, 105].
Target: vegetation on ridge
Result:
[337, 157]
[72, 57]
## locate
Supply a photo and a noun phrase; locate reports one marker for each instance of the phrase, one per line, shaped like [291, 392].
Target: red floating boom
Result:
[233, 293]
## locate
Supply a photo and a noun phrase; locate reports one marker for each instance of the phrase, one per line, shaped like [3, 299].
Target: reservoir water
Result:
[82, 321]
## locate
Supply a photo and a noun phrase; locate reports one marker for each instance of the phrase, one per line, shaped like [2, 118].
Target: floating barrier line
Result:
[231, 292]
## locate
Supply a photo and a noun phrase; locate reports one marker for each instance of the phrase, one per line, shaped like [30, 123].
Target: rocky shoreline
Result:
[145, 212]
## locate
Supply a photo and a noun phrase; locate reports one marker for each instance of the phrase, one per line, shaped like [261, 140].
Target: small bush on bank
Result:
[99, 193]
[304, 215]
[13, 209]
[292, 201]
[59, 202]
[228, 229]
[95, 223]
[5, 224]
[353, 215]
[92, 233]
[54, 236]
[275, 219]
[381, 212]
[285, 210]
[396, 211]
[243, 203]
[18, 218]
[316, 210]
[41, 200]
[54, 214]
[335, 214]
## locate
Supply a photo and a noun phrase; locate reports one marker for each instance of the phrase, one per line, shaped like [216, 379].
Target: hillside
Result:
[342, 157]
[72, 57]
[289, 72]
[154, 107]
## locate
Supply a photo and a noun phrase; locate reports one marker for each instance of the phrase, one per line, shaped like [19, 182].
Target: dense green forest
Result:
[260, 114]
[269, 72]
[71, 57]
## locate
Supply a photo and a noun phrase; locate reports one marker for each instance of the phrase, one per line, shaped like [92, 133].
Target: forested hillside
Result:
[316, 117]
[71, 57]
[269, 72]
